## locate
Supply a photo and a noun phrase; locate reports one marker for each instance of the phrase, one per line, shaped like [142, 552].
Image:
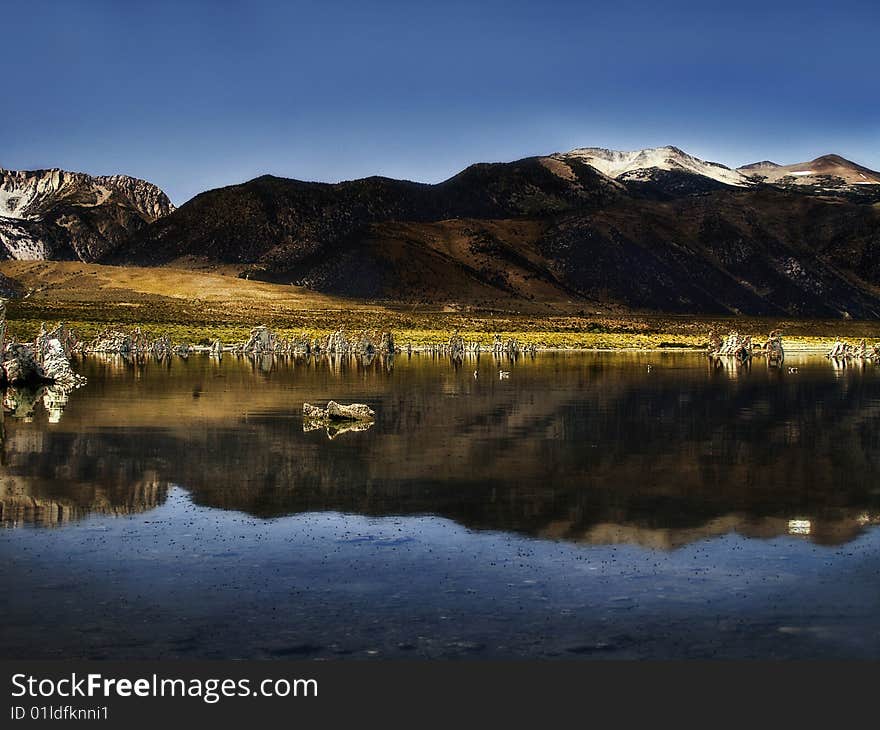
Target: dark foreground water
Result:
[584, 507]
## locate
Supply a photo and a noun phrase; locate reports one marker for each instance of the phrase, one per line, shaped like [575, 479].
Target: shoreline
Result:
[197, 308]
[436, 342]
[791, 349]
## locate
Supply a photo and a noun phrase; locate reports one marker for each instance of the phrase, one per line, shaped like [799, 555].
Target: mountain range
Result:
[648, 230]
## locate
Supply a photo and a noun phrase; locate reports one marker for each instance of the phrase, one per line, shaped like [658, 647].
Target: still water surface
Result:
[584, 507]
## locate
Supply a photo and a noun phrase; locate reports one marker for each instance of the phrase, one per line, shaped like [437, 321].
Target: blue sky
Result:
[195, 95]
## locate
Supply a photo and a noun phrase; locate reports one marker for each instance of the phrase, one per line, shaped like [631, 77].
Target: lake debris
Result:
[335, 412]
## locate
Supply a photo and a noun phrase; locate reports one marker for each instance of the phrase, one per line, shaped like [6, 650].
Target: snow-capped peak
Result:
[40, 211]
[628, 164]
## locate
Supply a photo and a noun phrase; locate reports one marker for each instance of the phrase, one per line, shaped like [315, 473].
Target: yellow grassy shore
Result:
[197, 306]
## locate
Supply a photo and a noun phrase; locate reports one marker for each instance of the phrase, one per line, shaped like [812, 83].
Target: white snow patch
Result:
[19, 244]
[615, 163]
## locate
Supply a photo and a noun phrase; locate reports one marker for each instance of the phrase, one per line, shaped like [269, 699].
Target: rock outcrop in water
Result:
[337, 419]
[66, 337]
[336, 412]
[734, 345]
[29, 373]
[38, 364]
[262, 341]
[119, 342]
[21, 366]
[360, 343]
[57, 368]
[135, 343]
[844, 351]
[53, 349]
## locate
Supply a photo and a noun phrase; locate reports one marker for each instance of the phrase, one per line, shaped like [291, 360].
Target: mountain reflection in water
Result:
[591, 448]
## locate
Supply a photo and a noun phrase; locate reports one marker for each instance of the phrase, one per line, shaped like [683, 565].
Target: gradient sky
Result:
[195, 95]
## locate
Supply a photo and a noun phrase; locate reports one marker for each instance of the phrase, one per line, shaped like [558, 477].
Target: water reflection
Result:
[21, 402]
[334, 430]
[594, 448]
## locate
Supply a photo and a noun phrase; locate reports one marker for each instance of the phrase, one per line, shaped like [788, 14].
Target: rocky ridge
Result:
[55, 214]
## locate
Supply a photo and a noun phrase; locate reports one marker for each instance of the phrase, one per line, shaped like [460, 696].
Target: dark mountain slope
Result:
[274, 223]
[755, 252]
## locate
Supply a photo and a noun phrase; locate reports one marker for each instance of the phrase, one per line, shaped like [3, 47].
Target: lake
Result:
[585, 507]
